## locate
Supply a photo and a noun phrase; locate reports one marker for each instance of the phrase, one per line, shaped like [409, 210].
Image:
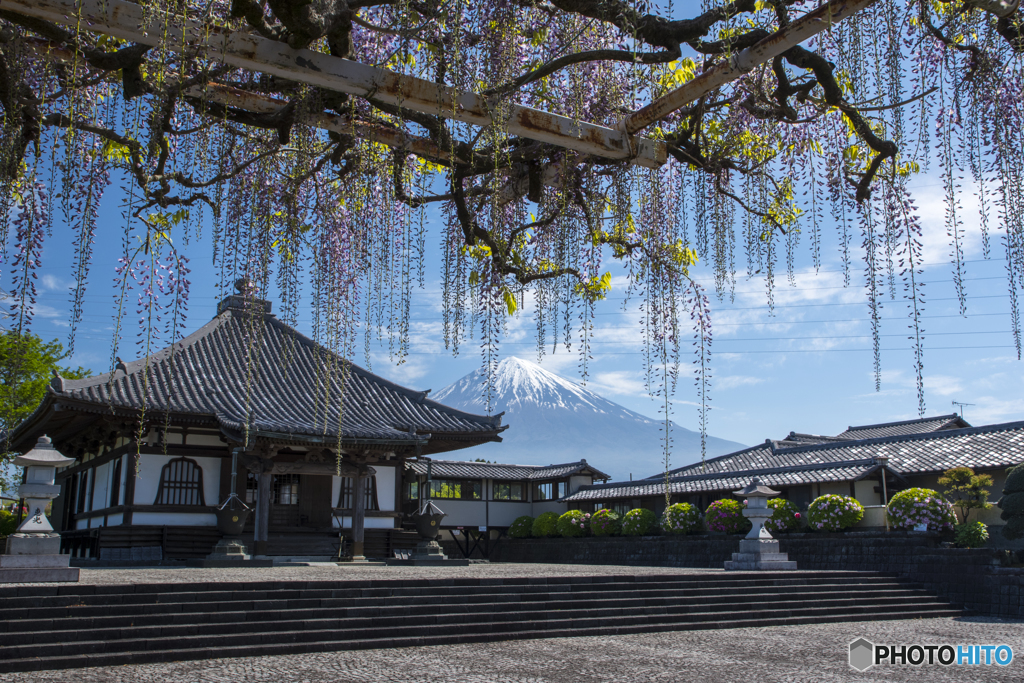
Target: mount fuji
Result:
[553, 420]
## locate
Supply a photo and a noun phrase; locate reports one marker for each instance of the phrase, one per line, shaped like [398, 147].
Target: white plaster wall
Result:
[866, 492]
[148, 483]
[504, 513]
[549, 506]
[462, 512]
[578, 480]
[205, 440]
[839, 488]
[175, 518]
[100, 498]
[115, 520]
[385, 488]
[335, 490]
[368, 523]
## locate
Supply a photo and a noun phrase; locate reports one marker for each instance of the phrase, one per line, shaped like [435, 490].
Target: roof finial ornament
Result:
[244, 286]
[120, 365]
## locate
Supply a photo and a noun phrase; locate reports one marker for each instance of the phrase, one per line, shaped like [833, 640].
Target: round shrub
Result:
[522, 527]
[606, 522]
[832, 512]
[1012, 503]
[971, 535]
[8, 523]
[545, 525]
[786, 516]
[681, 518]
[726, 515]
[909, 508]
[639, 522]
[573, 523]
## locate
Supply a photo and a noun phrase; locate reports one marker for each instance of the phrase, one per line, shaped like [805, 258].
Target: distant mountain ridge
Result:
[552, 419]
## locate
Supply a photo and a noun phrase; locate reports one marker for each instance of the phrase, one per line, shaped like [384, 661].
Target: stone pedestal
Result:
[35, 558]
[231, 552]
[759, 554]
[428, 554]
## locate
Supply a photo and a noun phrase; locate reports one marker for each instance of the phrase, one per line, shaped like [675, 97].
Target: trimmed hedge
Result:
[916, 506]
[545, 525]
[681, 518]
[522, 527]
[606, 522]
[639, 522]
[786, 516]
[573, 523]
[1012, 503]
[833, 512]
[971, 535]
[727, 515]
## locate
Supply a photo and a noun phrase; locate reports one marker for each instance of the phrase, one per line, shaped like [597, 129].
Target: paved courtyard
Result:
[816, 654]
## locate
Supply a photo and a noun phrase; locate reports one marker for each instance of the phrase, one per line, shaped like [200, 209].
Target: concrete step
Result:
[305, 641]
[149, 604]
[243, 622]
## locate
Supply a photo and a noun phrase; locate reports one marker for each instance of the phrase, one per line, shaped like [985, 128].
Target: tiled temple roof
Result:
[249, 372]
[485, 470]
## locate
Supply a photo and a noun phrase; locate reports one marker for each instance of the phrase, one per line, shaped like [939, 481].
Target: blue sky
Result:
[806, 367]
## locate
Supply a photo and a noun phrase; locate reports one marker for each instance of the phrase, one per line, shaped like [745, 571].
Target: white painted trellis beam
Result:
[253, 52]
[804, 28]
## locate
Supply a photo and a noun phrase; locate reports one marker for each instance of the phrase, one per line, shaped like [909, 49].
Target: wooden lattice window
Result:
[181, 483]
[369, 494]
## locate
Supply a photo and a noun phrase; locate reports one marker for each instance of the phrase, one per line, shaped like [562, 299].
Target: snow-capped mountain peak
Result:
[553, 419]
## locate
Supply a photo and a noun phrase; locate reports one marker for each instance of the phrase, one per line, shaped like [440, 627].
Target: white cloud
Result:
[734, 381]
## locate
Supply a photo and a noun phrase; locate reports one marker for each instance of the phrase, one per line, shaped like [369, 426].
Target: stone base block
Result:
[774, 566]
[238, 562]
[34, 561]
[760, 557]
[40, 575]
[33, 544]
[757, 545]
[428, 563]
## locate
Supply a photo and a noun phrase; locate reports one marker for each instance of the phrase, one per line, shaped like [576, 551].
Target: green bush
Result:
[916, 506]
[726, 515]
[832, 512]
[522, 527]
[1012, 503]
[639, 522]
[606, 522]
[786, 516]
[545, 525]
[971, 534]
[573, 524]
[681, 518]
[8, 523]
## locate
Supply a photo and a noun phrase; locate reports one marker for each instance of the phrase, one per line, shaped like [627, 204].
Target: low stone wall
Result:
[972, 578]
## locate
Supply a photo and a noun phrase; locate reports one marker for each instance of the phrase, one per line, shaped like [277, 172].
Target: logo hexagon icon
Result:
[861, 652]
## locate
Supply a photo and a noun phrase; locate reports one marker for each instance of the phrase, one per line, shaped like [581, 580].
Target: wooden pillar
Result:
[129, 488]
[358, 512]
[264, 486]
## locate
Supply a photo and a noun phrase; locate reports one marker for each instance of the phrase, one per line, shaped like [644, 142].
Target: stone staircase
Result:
[68, 626]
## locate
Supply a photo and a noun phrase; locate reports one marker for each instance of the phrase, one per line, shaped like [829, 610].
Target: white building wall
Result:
[115, 520]
[150, 466]
[385, 487]
[175, 518]
[100, 494]
[577, 480]
[541, 507]
[503, 513]
[368, 522]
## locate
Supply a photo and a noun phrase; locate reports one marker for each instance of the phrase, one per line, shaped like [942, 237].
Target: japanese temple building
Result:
[321, 443]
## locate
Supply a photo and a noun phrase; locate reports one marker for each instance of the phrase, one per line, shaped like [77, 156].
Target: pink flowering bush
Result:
[726, 515]
[786, 516]
[681, 518]
[606, 522]
[573, 524]
[915, 506]
[639, 522]
[522, 527]
[833, 512]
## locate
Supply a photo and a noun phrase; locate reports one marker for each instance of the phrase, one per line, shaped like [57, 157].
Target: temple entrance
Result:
[296, 501]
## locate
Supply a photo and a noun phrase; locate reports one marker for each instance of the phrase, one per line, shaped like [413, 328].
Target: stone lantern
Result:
[428, 551]
[33, 551]
[758, 550]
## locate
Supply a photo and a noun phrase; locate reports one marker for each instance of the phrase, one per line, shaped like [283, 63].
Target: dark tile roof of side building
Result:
[991, 446]
[919, 426]
[247, 371]
[489, 470]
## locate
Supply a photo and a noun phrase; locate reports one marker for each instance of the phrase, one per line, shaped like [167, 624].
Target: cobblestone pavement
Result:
[815, 654]
[331, 571]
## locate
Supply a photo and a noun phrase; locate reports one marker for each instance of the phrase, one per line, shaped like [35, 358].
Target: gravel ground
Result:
[815, 654]
[333, 572]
